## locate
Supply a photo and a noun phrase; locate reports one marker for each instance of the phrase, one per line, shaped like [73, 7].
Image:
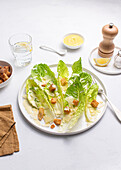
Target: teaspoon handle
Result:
[47, 48]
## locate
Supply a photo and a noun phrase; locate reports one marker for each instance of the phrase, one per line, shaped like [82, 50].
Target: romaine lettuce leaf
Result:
[37, 98]
[86, 80]
[90, 95]
[35, 95]
[62, 70]
[77, 67]
[42, 74]
[76, 71]
[79, 112]
[63, 73]
[92, 92]
[74, 91]
[31, 95]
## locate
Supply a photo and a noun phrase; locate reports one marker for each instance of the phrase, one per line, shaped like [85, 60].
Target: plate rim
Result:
[63, 133]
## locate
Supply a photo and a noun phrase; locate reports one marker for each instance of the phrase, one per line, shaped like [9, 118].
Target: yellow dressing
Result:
[73, 40]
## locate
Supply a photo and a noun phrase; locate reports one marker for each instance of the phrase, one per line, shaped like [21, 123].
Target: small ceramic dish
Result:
[73, 46]
[5, 63]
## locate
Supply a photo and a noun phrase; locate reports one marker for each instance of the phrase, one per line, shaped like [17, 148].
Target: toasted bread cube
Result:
[57, 121]
[52, 126]
[41, 113]
[6, 67]
[67, 110]
[1, 71]
[4, 73]
[1, 81]
[52, 88]
[0, 67]
[94, 103]
[8, 73]
[75, 102]
[63, 81]
[43, 85]
[53, 100]
[4, 77]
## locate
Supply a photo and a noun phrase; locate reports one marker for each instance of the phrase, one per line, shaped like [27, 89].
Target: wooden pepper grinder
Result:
[106, 47]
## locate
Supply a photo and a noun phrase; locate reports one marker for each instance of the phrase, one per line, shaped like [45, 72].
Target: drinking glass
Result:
[21, 47]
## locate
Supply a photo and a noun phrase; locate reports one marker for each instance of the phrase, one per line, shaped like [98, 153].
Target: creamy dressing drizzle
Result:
[93, 112]
[34, 114]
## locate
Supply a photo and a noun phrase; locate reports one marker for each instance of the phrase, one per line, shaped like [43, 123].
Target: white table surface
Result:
[47, 21]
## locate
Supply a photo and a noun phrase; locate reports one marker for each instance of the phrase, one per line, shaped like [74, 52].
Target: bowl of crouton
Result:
[6, 72]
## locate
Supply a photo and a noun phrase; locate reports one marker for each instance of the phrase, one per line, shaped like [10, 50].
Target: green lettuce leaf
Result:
[86, 80]
[79, 112]
[77, 67]
[62, 70]
[42, 74]
[74, 91]
[30, 94]
[92, 92]
[35, 95]
[76, 71]
[37, 98]
[90, 96]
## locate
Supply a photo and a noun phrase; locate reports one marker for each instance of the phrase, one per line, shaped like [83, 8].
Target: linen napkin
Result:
[8, 136]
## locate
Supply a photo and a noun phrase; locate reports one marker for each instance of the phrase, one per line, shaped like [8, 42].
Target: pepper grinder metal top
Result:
[106, 47]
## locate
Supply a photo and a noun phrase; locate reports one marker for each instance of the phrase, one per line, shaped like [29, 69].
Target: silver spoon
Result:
[61, 53]
[116, 111]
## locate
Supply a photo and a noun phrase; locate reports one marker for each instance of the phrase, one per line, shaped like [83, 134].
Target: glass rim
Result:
[19, 34]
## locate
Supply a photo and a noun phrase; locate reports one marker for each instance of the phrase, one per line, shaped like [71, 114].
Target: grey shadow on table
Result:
[70, 50]
[4, 88]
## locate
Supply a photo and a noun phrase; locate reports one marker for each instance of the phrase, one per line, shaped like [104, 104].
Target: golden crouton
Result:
[63, 82]
[4, 73]
[41, 113]
[1, 81]
[94, 103]
[52, 126]
[67, 110]
[52, 88]
[53, 100]
[6, 67]
[75, 102]
[43, 85]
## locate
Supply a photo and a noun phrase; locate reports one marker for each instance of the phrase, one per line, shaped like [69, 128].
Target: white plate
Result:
[81, 125]
[110, 68]
[73, 47]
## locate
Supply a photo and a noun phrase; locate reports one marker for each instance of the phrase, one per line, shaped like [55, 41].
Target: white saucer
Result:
[110, 69]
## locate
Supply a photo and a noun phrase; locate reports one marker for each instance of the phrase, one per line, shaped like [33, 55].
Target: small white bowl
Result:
[73, 47]
[5, 63]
